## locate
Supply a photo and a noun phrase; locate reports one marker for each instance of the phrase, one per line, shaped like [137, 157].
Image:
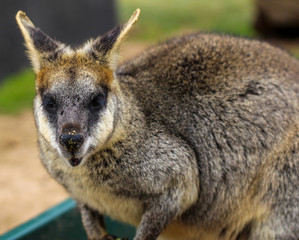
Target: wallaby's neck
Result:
[129, 121]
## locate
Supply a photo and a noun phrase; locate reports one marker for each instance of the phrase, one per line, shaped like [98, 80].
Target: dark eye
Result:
[50, 104]
[97, 102]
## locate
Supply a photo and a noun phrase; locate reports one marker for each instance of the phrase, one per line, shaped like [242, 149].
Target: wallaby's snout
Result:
[71, 139]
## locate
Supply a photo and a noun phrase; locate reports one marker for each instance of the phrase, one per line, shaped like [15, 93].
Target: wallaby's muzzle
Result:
[72, 142]
[71, 139]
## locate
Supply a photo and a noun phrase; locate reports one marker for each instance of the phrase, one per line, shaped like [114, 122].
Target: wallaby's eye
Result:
[50, 104]
[97, 102]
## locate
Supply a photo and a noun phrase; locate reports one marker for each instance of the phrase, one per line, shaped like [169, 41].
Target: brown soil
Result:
[26, 188]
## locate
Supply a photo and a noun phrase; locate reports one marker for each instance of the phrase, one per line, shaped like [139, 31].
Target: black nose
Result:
[72, 142]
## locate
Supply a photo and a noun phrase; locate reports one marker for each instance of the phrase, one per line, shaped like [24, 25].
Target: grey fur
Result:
[204, 143]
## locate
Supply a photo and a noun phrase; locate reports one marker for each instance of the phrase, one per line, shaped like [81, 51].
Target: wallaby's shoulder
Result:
[220, 52]
[209, 64]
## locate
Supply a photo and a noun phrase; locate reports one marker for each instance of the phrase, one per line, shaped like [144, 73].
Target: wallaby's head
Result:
[76, 93]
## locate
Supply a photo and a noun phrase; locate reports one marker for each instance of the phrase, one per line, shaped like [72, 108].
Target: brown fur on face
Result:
[68, 68]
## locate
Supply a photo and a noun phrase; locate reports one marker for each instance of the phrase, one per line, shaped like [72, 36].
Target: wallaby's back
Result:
[235, 101]
[199, 66]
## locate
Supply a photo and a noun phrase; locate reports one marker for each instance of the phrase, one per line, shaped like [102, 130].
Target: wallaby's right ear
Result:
[41, 48]
[105, 48]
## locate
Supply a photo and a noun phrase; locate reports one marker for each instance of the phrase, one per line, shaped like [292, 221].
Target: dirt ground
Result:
[26, 188]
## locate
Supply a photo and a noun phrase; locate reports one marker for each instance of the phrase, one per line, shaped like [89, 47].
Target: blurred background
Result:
[26, 189]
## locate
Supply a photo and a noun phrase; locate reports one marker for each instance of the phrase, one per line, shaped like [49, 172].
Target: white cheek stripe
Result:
[86, 146]
[43, 124]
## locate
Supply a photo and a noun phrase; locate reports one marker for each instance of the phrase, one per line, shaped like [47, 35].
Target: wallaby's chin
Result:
[77, 158]
[73, 159]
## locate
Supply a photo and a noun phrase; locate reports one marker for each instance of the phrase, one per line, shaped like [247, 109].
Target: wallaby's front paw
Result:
[111, 237]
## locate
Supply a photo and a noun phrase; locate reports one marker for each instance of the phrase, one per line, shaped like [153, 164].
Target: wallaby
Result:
[196, 138]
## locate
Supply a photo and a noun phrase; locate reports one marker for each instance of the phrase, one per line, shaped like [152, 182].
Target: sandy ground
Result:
[26, 188]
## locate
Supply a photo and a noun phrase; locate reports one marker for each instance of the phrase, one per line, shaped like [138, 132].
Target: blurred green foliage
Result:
[17, 92]
[161, 19]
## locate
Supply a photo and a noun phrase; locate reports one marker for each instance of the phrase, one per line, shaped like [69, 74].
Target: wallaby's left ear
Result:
[41, 48]
[106, 47]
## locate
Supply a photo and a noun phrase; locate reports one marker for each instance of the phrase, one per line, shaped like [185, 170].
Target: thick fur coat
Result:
[196, 138]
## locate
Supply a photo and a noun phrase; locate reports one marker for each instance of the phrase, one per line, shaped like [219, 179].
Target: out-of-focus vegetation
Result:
[161, 19]
[17, 92]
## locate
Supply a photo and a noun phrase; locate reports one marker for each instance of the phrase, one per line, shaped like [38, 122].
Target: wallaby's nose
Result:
[71, 140]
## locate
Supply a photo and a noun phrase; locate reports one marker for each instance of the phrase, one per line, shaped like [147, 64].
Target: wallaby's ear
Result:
[41, 48]
[105, 48]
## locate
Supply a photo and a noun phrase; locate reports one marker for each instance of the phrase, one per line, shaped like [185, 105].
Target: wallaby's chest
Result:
[101, 197]
[108, 203]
